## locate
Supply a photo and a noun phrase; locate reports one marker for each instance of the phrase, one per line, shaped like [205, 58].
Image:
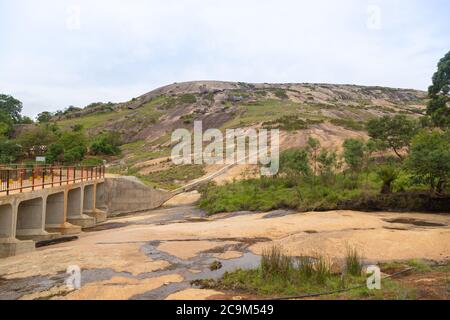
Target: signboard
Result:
[40, 159]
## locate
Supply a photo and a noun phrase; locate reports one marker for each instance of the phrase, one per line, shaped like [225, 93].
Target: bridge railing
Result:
[19, 179]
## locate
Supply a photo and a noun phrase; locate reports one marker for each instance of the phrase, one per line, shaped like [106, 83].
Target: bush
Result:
[388, 173]
[353, 262]
[9, 151]
[295, 162]
[354, 154]
[429, 159]
[275, 263]
[188, 98]
[106, 144]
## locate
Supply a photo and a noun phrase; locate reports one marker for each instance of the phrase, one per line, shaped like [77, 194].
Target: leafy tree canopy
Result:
[295, 162]
[10, 107]
[106, 144]
[393, 132]
[354, 154]
[44, 117]
[429, 159]
[438, 93]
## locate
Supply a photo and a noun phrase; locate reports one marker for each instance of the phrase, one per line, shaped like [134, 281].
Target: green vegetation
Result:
[354, 154]
[393, 132]
[438, 108]
[302, 194]
[290, 123]
[348, 124]
[429, 160]
[314, 178]
[279, 275]
[172, 178]
[187, 98]
[106, 144]
[281, 94]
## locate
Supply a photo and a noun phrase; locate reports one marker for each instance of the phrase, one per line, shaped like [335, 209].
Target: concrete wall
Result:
[74, 203]
[6, 221]
[54, 214]
[88, 198]
[128, 194]
[30, 217]
[100, 196]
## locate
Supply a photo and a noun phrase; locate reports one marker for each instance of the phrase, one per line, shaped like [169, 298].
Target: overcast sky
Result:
[59, 53]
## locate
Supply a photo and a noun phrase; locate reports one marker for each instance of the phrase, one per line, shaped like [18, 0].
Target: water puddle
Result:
[197, 268]
[415, 222]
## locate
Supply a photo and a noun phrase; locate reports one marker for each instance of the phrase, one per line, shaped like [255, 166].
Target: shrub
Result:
[353, 262]
[106, 144]
[354, 154]
[188, 98]
[295, 162]
[388, 173]
[429, 159]
[275, 263]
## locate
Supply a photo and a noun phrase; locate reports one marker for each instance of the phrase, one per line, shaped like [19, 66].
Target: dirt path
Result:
[155, 255]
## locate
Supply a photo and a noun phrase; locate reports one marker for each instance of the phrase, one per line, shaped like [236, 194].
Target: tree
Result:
[327, 164]
[70, 148]
[26, 120]
[44, 117]
[354, 154]
[388, 173]
[9, 151]
[393, 132]
[10, 107]
[438, 93]
[314, 147]
[36, 141]
[429, 159]
[106, 144]
[295, 162]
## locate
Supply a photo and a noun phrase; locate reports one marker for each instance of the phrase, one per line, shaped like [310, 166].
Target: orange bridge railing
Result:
[16, 178]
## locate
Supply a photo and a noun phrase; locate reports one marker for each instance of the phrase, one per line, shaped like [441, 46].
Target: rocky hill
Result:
[329, 112]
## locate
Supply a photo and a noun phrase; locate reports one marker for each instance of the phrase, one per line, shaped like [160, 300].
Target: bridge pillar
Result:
[89, 204]
[31, 220]
[75, 201]
[9, 245]
[56, 215]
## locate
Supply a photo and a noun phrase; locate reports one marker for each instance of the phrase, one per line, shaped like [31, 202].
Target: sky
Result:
[54, 54]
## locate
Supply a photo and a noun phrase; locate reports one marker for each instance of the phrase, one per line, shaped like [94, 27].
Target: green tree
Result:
[10, 107]
[438, 93]
[393, 132]
[44, 117]
[429, 159]
[354, 154]
[26, 120]
[9, 151]
[327, 164]
[295, 162]
[74, 144]
[36, 141]
[388, 173]
[106, 144]
[314, 147]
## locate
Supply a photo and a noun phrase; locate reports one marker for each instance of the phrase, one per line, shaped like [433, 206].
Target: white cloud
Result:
[123, 49]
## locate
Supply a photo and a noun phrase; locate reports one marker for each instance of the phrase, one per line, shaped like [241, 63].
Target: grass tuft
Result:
[353, 262]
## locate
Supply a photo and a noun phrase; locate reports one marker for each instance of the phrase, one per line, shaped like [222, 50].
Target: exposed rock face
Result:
[156, 113]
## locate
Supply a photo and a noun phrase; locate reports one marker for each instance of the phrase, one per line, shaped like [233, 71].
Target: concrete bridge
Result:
[61, 210]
